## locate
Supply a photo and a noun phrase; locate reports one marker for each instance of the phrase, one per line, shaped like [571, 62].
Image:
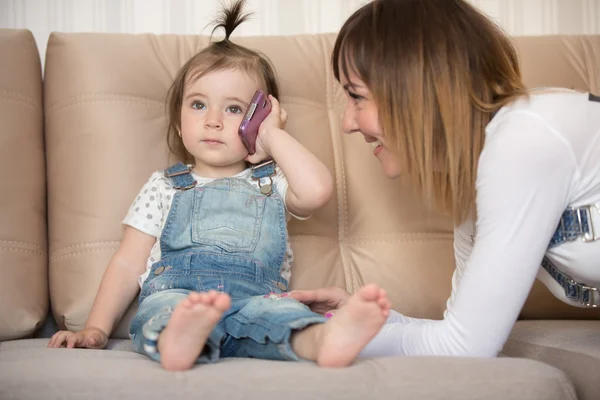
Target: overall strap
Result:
[576, 223]
[587, 296]
[264, 173]
[180, 176]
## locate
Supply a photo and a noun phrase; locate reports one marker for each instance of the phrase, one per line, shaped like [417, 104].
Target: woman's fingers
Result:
[303, 296]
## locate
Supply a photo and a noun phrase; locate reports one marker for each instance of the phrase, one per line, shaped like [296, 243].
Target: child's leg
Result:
[281, 328]
[338, 342]
[173, 327]
[261, 327]
[193, 320]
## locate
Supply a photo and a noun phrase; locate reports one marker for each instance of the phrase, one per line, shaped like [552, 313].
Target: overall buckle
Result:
[592, 210]
[593, 296]
[263, 172]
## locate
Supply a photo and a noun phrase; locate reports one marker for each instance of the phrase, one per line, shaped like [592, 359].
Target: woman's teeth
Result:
[376, 144]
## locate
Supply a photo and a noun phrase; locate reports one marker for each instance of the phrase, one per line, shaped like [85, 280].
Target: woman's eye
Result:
[355, 96]
[234, 109]
[198, 105]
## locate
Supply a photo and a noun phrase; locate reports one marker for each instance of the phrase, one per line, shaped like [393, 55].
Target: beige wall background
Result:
[272, 17]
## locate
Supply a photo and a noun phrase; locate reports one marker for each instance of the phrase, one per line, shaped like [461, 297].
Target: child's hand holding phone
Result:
[258, 123]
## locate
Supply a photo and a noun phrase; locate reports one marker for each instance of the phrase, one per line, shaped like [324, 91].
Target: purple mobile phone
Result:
[259, 108]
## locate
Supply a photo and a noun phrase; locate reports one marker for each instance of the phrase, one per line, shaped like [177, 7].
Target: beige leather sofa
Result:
[73, 158]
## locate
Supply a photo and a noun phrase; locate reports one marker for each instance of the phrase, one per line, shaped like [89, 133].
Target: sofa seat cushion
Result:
[28, 371]
[572, 346]
[42, 343]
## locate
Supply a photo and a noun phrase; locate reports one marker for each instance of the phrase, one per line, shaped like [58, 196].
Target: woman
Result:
[436, 87]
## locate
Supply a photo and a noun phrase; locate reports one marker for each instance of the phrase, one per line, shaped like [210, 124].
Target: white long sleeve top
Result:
[541, 155]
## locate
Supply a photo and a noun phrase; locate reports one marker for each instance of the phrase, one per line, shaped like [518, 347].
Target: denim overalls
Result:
[576, 223]
[229, 237]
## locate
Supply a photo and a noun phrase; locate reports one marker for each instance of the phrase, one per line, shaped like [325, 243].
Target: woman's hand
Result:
[90, 338]
[322, 300]
[272, 125]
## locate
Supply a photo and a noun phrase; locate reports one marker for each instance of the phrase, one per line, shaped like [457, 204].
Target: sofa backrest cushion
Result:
[23, 255]
[106, 133]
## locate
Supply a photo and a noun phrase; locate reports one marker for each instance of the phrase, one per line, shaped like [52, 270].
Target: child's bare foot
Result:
[183, 339]
[353, 326]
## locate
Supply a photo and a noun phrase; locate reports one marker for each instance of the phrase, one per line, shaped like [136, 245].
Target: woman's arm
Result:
[523, 185]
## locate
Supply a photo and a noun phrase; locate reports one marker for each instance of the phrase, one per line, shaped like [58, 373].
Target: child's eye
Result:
[234, 109]
[198, 105]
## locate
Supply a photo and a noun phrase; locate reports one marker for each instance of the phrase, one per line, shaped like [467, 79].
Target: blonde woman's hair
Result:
[438, 70]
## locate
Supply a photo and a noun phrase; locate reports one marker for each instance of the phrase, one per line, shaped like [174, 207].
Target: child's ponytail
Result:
[231, 18]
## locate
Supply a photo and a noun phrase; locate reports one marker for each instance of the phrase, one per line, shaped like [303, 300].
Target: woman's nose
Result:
[349, 124]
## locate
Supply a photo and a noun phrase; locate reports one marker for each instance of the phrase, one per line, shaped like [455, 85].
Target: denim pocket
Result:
[226, 219]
